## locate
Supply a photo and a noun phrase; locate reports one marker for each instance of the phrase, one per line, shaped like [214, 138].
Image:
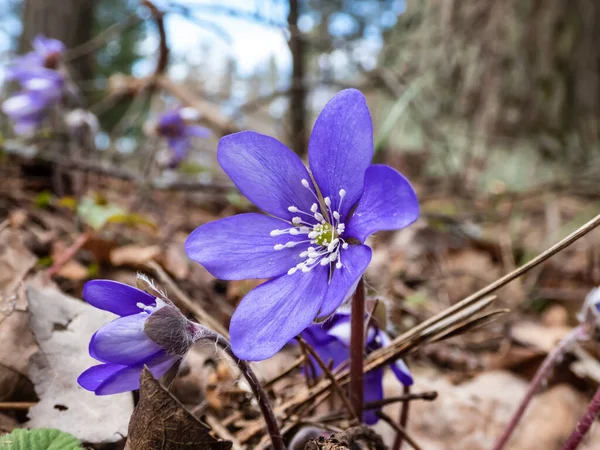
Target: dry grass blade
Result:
[448, 322]
[471, 324]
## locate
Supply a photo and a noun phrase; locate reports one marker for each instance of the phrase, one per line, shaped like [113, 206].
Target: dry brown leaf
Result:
[160, 421]
[176, 262]
[18, 343]
[134, 255]
[73, 271]
[63, 327]
[539, 337]
[474, 414]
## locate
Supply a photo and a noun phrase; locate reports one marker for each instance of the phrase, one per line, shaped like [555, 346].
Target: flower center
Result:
[324, 233]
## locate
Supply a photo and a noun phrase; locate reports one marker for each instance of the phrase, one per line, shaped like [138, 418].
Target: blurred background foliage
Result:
[488, 95]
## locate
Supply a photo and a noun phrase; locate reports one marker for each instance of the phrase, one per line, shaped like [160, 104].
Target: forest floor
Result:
[49, 247]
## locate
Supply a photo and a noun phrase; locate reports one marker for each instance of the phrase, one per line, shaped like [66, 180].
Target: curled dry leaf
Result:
[17, 341]
[160, 421]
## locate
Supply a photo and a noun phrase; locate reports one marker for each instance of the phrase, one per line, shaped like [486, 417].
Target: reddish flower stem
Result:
[257, 389]
[357, 348]
[541, 375]
[69, 253]
[585, 423]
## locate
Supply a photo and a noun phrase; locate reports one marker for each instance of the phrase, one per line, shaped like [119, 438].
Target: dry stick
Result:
[398, 429]
[329, 375]
[257, 390]
[427, 396]
[285, 372]
[585, 423]
[541, 375]
[69, 253]
[385, 355]
[403, 421]
[16, 405]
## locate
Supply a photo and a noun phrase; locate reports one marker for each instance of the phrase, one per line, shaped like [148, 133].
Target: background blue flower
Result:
[42, 85]
[331, 340]
[173, 127]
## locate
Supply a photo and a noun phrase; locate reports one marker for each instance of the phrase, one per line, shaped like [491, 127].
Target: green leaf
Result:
[95, 214]
[133, 219]
[43, 199]
[39, 439]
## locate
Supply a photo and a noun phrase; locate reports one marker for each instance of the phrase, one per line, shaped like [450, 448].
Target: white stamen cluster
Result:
[324, 236]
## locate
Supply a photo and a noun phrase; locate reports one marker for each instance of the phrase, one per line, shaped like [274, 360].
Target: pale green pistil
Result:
[323, 232]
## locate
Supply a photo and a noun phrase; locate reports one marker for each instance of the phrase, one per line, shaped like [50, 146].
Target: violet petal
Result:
[341, 148]
[373, 391]
[388, 203]
[241, 247]
[123, 341]
[276, 311]
[267, 172]
[118, 298]
[344, 281]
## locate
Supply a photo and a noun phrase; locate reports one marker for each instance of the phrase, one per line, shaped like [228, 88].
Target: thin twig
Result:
[541, 375]
[329, 375]
[163, 49]
[102, 38]
[209, 113]
[427, 396]
[398, 429]
[257, 389]
[403, 421]
[221, 431]
[284, 373]
[125, 175]
[585, 423]
[357, 348]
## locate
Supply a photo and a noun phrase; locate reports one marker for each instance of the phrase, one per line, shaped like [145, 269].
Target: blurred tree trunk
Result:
[70, 21]
[298, 89]
[512, 68]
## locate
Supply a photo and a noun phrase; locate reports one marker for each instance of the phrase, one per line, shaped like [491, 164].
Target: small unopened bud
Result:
[171, 330]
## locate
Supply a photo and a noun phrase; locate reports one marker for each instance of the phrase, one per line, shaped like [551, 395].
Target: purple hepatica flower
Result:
[331, 340]
[150, 332]
[312, 242]
[46, 54]
[26, 110]
[172, 125]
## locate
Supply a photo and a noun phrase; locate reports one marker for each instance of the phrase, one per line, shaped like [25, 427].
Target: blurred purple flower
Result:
[331, 340]
[172, 125]
[42, 86]
[312, 242]
[150, 332]
[26, 110]
[46, 54]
